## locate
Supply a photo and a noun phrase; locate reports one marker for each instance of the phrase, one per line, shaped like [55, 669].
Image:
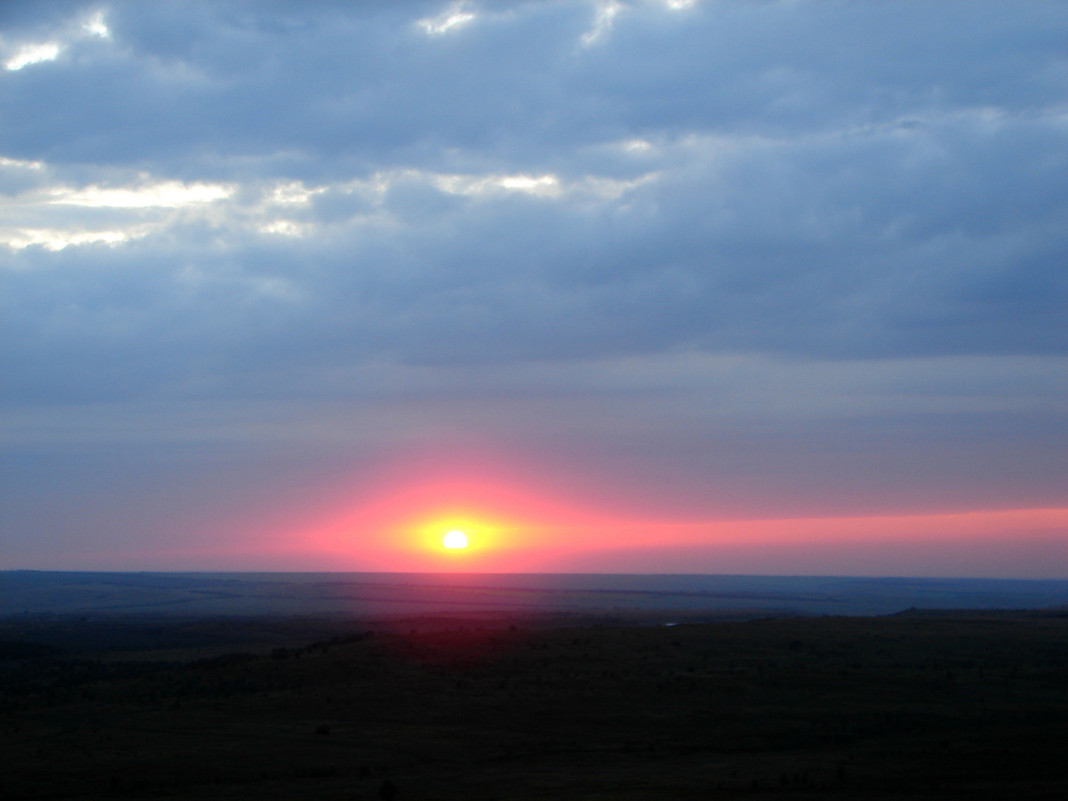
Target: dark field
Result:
[916, 705]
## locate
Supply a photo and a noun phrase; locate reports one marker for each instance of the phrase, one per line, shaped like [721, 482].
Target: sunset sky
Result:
[768, 287]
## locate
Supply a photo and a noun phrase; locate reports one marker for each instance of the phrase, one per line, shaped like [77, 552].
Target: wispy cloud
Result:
[32, 54]
[451, 19]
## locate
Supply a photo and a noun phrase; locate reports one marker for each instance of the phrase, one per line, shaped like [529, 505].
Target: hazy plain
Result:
[403, 594]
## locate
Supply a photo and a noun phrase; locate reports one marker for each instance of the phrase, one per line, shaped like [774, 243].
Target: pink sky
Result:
[396, 524]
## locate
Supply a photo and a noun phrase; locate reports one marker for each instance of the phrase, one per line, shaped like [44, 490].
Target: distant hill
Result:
[381, 595]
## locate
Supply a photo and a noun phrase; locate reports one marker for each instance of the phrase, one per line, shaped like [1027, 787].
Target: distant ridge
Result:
[401, 594]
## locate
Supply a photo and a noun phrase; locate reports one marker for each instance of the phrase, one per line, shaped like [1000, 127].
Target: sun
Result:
[455, 540]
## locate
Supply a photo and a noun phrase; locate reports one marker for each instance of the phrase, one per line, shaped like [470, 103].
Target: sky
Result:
[768, 287]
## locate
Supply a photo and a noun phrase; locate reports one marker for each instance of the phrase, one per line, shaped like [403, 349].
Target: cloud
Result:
[451, 19]
[602, 24]
[63, 32]
[32, 54]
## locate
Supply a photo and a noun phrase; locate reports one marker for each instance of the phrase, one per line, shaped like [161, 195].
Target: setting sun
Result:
[455, 540]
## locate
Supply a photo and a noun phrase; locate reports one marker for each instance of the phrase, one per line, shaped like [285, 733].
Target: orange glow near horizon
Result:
[511, 527]
[402, 528]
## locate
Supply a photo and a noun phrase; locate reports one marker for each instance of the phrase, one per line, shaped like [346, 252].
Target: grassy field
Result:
[918, 705]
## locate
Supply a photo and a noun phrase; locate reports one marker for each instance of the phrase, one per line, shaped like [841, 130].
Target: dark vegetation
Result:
[917, 705]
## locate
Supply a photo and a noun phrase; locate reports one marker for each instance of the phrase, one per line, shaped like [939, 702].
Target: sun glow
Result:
[455, 540]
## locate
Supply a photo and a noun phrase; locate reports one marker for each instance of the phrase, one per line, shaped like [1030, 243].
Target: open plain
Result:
[947, 704]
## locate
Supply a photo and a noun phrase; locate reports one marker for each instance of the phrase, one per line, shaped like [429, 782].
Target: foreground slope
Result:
[940, 705]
